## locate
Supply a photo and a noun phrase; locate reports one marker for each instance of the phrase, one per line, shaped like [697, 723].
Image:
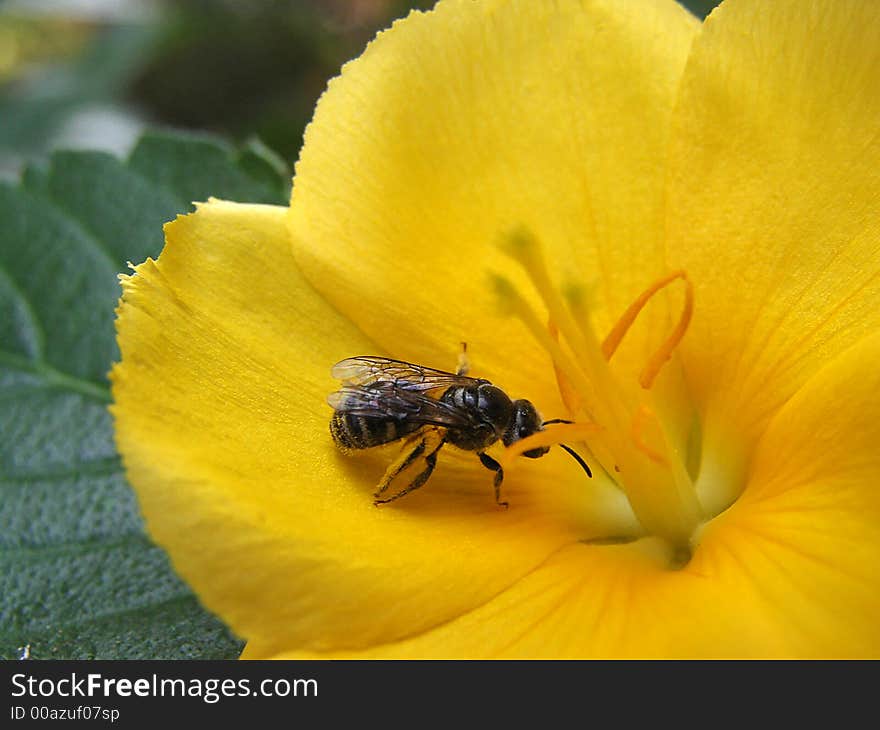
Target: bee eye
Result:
[524, 423]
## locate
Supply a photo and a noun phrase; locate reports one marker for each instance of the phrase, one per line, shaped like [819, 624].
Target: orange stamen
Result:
[659, 358]
[664, 352]
[640, 420]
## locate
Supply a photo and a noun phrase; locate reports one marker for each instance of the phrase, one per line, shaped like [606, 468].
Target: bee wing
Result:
[405, 375]
[388, 400]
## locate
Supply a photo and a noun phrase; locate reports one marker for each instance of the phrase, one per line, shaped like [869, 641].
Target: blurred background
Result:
[94, 73]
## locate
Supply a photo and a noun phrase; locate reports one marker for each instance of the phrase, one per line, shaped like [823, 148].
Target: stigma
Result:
[618, 420]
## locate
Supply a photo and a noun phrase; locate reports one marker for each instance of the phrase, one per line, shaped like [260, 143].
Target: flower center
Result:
[618, 422]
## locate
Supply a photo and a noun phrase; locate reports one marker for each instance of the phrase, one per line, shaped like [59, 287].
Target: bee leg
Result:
[431, 461]
[421, 478]
[493, 465]
[406, 459]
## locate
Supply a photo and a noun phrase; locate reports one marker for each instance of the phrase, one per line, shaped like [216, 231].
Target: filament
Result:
[664, 352]
[640, 420]
[552, 437]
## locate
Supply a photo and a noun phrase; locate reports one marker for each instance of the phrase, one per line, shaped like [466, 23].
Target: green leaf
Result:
[78, 576]
[193, 164]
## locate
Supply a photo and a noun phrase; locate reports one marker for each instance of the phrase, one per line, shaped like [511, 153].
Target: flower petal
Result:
[773, 198]
[789, 571]
[463, 123]
[598, 602]
[222, 423]
[811, 512]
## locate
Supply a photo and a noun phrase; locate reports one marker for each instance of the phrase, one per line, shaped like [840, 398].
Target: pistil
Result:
[617, 420]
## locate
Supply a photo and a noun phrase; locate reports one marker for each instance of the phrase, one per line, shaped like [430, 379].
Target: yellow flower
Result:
[609, 146]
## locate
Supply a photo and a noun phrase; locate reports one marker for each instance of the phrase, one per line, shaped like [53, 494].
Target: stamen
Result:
[567, 392]
[515, 304]
[577, 299]
[659, 358]
[601, 397]
[631, 445]
[664, 352]
[525, 249]
[551, 437]
[640, 420]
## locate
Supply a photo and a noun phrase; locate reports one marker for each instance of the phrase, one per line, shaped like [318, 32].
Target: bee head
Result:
[525, 422]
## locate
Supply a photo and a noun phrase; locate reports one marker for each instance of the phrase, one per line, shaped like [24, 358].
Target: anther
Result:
[525, 249]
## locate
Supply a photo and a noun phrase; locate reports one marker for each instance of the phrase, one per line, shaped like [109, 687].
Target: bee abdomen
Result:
[352, 432]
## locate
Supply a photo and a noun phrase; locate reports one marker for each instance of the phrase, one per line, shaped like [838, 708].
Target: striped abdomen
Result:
[362, 432]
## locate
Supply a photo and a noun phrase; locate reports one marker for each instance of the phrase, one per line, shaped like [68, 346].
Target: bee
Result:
[383, 400]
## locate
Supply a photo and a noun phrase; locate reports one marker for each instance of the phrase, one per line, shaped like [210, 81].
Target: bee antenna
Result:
[578, 459]
[555, 420]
